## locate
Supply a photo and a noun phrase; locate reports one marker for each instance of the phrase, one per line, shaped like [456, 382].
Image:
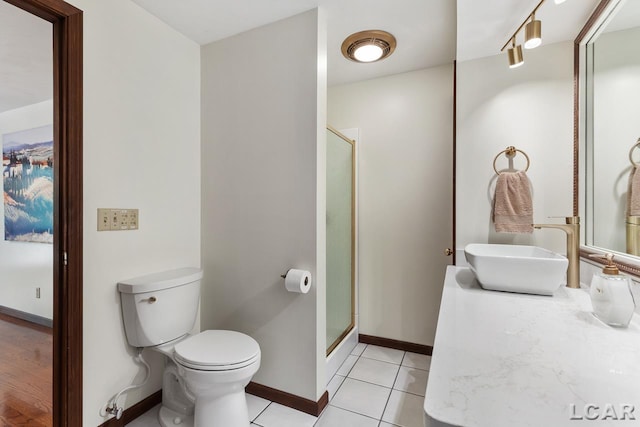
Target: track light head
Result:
[515, 55]
[533, 33]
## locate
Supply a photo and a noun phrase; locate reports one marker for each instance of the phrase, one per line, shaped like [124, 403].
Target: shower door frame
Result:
[352, 325]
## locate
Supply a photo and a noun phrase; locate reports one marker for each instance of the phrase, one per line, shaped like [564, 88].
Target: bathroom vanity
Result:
[506, 359]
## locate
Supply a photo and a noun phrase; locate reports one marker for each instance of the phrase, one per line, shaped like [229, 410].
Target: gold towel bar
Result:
[637, 144]
[511, 151]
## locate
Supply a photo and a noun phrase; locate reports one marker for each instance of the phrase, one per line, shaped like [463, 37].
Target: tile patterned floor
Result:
[375, 387]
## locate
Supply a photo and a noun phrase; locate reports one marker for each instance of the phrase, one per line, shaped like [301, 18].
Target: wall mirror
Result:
[609, 130]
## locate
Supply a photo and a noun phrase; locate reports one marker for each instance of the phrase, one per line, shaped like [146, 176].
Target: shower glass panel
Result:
[340, 237]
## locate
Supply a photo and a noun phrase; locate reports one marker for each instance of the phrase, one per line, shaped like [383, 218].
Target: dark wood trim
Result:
[135, 411]
[576, 100]
[27, 317]
[576, 129]
[67, 222]
[288, 399]
[398, 345]
[453, 179]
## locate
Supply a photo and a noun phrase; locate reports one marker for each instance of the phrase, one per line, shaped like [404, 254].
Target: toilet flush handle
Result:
[150, 300]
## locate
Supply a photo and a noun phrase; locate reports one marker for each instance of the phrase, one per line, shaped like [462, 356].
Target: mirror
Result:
[610, 129]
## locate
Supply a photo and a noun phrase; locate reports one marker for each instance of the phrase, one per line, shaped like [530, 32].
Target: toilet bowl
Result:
[206, 373]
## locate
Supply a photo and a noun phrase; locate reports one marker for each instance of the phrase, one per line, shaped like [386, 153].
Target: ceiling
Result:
[429, 33]
[26, 58]
[425, 29]
[485, 26]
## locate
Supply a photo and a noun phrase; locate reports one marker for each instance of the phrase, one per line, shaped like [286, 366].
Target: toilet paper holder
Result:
[306, 279]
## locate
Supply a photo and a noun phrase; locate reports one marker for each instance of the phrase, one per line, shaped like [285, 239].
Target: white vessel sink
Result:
[516, 268]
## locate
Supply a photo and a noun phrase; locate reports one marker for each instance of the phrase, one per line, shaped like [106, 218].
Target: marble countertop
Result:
[504, 359]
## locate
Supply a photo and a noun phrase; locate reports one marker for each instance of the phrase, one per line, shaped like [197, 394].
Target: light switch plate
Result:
[117, 219]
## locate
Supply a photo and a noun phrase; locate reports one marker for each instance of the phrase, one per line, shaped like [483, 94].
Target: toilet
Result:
[205, 374]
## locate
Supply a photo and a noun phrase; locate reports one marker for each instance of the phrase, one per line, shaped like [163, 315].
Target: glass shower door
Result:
[340, 237]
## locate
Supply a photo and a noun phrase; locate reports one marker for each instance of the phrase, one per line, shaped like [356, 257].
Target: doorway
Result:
[67, 205]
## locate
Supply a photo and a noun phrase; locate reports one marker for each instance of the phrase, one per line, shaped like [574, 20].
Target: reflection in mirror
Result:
[612, 130]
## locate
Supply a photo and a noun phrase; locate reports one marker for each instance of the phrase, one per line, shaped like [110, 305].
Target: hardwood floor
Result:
[26, 373]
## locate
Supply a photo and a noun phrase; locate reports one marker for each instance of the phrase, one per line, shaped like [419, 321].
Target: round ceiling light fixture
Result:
[368, 46]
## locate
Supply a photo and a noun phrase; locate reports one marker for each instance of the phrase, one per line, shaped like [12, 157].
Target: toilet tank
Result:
[160, 307]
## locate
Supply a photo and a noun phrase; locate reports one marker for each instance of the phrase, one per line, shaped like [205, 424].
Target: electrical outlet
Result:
[133, 219]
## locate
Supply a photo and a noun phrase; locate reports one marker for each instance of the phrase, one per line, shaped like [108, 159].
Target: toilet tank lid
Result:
[158, 281]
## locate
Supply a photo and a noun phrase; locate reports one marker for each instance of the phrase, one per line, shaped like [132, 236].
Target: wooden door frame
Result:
[67, 222]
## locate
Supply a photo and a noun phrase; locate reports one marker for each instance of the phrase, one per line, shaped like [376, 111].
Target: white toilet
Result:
[205, 374]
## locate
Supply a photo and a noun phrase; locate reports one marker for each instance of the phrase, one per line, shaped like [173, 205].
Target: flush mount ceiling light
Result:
[559, 1]
[515, 54]
[368, 46]
[533, 33]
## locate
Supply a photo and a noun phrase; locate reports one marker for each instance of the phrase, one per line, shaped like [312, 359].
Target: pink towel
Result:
[512, 205]
[633, 193]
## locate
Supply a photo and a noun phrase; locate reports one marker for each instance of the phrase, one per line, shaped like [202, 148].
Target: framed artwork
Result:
[27, 177]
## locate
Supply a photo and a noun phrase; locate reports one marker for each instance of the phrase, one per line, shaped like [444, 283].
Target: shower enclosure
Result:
[340, 237]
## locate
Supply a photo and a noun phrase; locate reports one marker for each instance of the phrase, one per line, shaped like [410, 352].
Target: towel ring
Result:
[636, 145]
[511, 152]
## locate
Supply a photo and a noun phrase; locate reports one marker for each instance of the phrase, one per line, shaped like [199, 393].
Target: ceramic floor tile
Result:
[281, 416]
[383, 354]
[363, 398]
[414, 360]
[383, 424]
[347, 365]
[412, 380]
[334, 385]
[148, 419]
[357, 350]
[404, 409]
[374, 371]
[256, 405]
[336, 417]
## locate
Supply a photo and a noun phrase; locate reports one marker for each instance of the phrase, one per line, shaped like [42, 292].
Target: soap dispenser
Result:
[611, 295]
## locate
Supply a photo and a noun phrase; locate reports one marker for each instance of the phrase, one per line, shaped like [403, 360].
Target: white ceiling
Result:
[485, 26]
[426, 31]
[26, 58]
[625, 16]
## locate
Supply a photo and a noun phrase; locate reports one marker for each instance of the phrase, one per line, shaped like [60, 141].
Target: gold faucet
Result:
[572, 228]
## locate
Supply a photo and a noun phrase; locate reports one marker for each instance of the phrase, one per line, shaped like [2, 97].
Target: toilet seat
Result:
[217, 350]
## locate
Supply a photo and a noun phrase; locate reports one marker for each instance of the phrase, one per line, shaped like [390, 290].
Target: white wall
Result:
[26, 266]
[530, 107]
[615, 131]
[141, 150]
[405, 196]
[263, 207]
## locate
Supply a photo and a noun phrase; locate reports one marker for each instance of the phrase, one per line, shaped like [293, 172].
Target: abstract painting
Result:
[27, 177]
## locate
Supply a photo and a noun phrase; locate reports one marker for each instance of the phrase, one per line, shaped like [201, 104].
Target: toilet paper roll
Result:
[298, 281]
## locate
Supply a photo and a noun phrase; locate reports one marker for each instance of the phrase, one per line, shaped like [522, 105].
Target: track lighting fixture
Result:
[515, 54]
[532, 37]
[533, 33]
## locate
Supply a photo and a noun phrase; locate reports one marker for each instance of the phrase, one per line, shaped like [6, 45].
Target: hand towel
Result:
[633, 193]
[512, 204]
